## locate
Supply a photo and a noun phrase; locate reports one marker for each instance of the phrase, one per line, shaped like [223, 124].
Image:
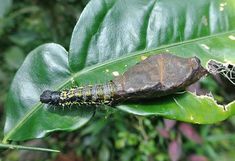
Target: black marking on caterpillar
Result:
[85, 95]
[226, 70]
[156, 76]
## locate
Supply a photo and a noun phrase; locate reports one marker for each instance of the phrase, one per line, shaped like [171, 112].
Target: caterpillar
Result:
[226, 70]
[86, 95]
[156, 76]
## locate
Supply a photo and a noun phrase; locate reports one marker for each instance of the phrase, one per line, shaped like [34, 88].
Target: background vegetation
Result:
[111, 135]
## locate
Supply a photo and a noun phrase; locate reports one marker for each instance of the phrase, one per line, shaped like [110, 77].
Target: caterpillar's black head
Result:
[50, 97]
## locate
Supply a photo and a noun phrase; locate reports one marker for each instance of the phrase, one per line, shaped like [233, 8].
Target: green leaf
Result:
[26, 118]
[4, 7]
[182, 106]
[14, 57]
[108, 29]
[46, 67]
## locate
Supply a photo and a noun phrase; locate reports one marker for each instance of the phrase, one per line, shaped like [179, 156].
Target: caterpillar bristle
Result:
[87, 95]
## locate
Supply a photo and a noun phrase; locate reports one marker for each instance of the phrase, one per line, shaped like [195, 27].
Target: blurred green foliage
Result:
[4, 7]
[111, 135]
[29, 24]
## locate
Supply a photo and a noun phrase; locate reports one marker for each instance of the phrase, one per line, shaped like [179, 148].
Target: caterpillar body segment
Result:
[86, 95]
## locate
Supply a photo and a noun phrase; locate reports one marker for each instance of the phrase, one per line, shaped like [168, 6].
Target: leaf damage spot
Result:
[205, 46]
[167, 50]
[204, 20]
[231, 37]
[116, 73]
[209, 98]
[221, 8]
[191, 118]
[143, 57]
[223, 4]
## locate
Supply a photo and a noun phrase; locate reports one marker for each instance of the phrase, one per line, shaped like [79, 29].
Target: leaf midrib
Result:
[36, 107]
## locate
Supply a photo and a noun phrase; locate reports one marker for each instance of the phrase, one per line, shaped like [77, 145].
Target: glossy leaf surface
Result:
[108, 29]
[185, 106]
[94, 42]
[46, 67]
[117, 27]
[4, 7]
